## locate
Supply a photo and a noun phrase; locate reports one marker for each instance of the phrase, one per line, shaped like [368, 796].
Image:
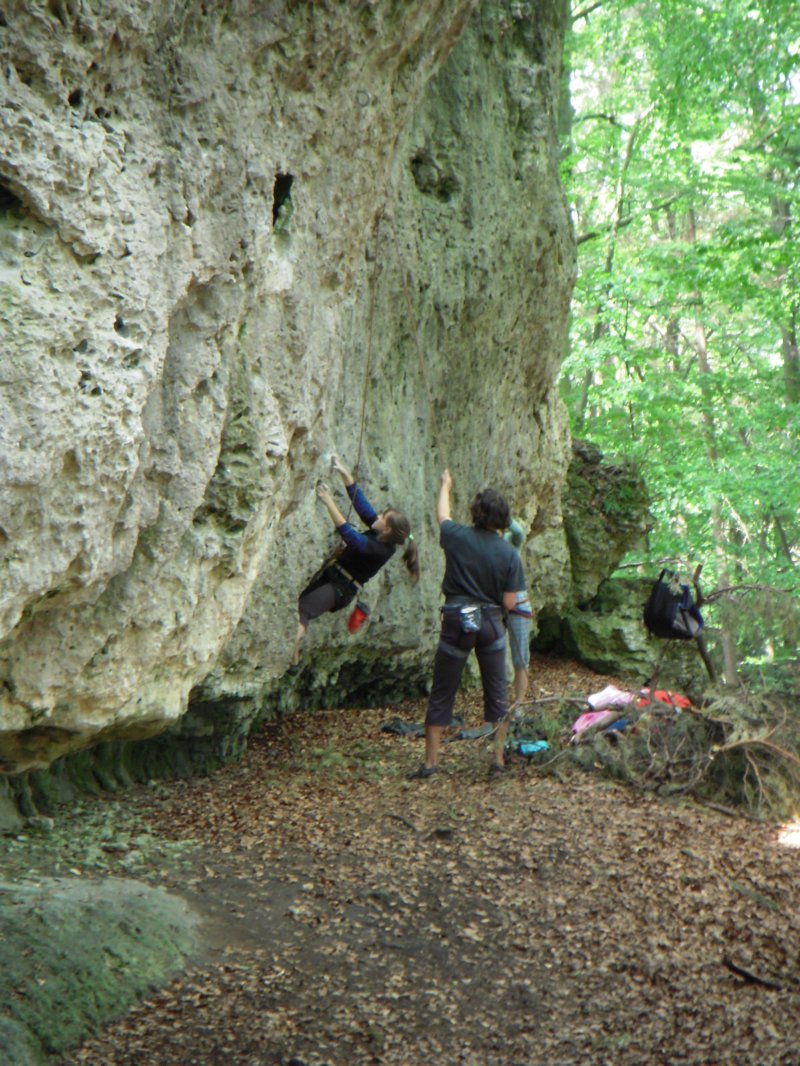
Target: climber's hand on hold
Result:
[341, 469]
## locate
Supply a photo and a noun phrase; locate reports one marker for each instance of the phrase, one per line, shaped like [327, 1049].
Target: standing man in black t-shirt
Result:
[482, 577]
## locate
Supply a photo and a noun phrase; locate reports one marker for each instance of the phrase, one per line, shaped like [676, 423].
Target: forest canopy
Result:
[681, 160]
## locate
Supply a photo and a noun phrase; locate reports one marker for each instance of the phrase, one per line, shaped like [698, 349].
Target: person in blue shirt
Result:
[519, 622]
[359, 557]
[482, 577]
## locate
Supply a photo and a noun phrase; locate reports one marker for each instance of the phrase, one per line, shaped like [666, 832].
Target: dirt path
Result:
[356, 917]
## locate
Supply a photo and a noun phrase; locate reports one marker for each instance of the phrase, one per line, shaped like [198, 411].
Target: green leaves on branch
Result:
[682, 164]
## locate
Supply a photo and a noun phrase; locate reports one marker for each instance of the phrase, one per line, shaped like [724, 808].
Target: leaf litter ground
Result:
[355, 917]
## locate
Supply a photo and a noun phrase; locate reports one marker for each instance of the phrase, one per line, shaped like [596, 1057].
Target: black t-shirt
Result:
[362, 565]
[479, 565]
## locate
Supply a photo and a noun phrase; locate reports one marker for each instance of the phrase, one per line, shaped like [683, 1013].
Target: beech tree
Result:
[682, 163]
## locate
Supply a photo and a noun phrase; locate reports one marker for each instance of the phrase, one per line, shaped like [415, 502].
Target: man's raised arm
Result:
[443, 498]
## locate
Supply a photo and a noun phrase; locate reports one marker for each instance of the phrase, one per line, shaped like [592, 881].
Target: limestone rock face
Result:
[232, 239]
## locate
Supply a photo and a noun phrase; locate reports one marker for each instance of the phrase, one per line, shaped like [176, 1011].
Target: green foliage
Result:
[92, 837]
[682, 165]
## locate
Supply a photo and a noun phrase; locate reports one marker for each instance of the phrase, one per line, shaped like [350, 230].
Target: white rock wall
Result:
[175, 362]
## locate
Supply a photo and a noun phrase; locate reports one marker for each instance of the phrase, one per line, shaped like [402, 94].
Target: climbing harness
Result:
[348, 575]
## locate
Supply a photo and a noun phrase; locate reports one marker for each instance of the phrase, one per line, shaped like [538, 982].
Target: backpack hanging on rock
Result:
[670, 611]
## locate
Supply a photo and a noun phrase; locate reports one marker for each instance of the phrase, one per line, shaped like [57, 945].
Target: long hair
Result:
[489, 510]
[398, 532]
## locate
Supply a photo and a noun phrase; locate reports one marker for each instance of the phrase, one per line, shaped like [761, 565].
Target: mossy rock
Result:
[608, 634]
[76, 953]
[606, 513]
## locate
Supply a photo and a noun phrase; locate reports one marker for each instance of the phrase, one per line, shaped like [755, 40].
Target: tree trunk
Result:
[717, 523]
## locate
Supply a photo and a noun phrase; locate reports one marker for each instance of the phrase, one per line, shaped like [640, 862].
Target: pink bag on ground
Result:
[590, 718]
[610, 696]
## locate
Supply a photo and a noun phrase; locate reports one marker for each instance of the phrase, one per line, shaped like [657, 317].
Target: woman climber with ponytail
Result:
[358, 558]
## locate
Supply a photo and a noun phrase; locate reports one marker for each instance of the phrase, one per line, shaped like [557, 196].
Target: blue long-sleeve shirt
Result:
[365, 511]
[364, 553]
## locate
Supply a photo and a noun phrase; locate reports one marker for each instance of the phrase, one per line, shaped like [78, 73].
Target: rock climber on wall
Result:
[359, 557]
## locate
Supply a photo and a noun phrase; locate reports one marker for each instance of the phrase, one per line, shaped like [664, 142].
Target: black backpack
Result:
[670, 611]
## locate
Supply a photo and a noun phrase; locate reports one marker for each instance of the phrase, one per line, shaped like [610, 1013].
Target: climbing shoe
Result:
[496, 770]
[423, 771]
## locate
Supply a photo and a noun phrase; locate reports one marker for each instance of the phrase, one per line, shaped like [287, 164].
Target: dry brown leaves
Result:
[354, 916]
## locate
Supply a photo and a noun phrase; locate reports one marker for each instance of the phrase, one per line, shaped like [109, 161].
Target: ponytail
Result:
[399, 533]
[411, 558]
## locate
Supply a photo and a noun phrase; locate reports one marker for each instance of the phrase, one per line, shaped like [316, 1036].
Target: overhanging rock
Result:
[234, 241]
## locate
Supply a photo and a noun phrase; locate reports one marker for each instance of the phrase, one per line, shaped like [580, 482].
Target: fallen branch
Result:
[542, 765]
[756, 742]
[406, 822]
[552, 699]
[753, 978]
[441, 832]
[719, 807]
[757, 897]
[697, 858]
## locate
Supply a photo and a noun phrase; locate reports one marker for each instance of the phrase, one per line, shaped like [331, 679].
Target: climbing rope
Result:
[371, 284]
[373, 277]
[407, 278]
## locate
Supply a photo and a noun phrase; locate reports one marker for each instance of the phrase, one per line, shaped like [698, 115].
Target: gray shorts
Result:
[519, 637]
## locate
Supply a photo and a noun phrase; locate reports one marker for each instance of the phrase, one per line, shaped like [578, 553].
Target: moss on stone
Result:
[605, 515]
[117, 937]
[608, 634]
[19, 1045]
[374, 678]
[210, 735]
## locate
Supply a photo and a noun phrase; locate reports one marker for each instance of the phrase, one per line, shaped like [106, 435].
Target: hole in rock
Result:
[8, 201]
[281, 195]
[56, 9]
[71, 466]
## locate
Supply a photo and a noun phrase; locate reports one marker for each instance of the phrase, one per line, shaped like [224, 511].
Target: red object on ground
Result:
[673, 699]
